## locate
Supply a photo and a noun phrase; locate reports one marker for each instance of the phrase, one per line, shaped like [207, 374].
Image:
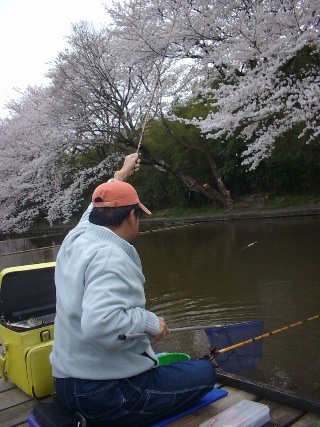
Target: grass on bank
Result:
[253, 202]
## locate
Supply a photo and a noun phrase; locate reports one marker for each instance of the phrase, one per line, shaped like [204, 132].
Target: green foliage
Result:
[185, 148]
[159, 190]
[286, 200]
[293, 167]
[306, 58]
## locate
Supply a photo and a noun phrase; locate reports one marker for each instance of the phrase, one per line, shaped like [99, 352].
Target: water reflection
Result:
[226, 272]
[209, 275]
[32, 250]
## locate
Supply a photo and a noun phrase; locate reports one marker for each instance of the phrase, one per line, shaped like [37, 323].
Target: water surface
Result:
[226, 272]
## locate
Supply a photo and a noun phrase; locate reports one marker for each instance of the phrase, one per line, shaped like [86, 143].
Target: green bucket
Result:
[166, 358]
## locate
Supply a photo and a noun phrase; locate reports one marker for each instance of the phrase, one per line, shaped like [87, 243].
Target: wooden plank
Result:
[281, 415]
[13, 397]
[209, 411]
[309, 420]
[16, 414]
[6, 385]
[268, 392]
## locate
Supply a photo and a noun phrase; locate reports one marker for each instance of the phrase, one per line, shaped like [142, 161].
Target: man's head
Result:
[114, 194]
[113, 203]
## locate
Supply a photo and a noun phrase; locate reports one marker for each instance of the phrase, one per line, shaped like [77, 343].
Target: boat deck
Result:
[15, 405]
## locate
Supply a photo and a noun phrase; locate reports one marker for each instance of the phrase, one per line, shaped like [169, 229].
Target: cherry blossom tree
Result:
[92, 104]
[36, 173]
[25, 155]
[254, 64]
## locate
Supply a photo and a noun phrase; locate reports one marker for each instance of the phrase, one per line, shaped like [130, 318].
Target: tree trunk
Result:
[209, 192]
[223, 195]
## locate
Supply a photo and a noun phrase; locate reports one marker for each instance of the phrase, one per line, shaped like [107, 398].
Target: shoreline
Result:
[239, 214]
[235, 214]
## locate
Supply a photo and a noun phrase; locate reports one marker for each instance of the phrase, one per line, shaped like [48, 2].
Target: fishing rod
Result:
[214, 352]
[123, 337]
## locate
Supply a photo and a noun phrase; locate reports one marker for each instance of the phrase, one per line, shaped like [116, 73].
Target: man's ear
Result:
[131, 217]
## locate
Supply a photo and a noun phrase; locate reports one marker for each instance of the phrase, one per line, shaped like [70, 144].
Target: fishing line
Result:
[30, 250]
[168, 228]
[156, 230]
[248, 246]
[155, 85]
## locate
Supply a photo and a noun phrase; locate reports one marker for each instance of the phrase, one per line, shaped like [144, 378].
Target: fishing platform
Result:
[283, 408]
[286, 409]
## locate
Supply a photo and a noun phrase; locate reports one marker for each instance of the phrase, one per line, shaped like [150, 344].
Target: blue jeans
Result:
[139, 400]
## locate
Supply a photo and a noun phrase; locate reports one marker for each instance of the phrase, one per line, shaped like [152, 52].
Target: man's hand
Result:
[131, 164]
[164, 330]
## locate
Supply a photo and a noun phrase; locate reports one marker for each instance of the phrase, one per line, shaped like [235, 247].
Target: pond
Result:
[227, 272]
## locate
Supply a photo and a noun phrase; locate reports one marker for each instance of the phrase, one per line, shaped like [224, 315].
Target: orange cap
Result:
[114, 194]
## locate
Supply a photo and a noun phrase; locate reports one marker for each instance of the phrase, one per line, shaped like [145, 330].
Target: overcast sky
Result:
[32, 32]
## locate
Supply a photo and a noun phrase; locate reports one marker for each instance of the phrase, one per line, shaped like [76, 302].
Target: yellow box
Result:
[27, 308]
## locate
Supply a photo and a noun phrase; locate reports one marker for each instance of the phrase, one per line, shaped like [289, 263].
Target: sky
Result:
[32, 32]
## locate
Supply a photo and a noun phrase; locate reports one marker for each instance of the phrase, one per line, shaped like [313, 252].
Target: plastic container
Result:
[166, 358]
[243, 414]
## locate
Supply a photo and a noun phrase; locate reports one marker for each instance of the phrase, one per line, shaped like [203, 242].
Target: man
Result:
[100, 294]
